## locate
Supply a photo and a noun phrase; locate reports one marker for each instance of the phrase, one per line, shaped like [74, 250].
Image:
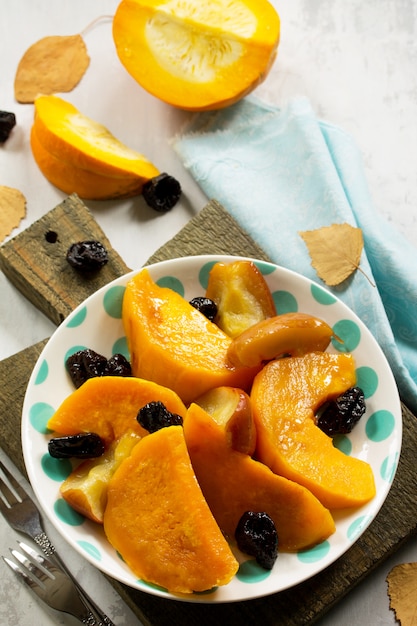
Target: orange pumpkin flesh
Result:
[173, 344]
[196, 55]
[158, 520]
[285, 395]
[72, 179]
[233, 482]
[64, 139]
[108, 406]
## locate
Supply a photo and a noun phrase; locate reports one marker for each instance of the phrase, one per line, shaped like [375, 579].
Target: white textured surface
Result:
[356, 62]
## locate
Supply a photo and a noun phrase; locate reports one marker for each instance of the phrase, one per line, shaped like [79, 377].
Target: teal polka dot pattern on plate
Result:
[251, 572]
[42, 374]
[343, 444]
[349, 332]
[265, 268]
[314, 554]
[39, 415]
[78, 318]
[322, 296]
[356, 528]
[380, 425]
[67, 514]
[113, 301]
[285, 302]
[56, 469]
[171, 283]
[367, 380]
[120, 347]
[90, 549]
[203, 275]
[388, 467]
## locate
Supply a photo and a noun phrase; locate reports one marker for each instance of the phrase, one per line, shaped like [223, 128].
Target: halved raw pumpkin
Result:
[158, 520]
[62, 138]
[197, 55]
[173, 344]
[285, 396]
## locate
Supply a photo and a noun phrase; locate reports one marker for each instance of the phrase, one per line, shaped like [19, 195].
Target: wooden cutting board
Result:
[213, 231]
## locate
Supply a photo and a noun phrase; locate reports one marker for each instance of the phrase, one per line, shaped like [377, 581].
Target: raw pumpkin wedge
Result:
[173, 344]
[233, 482]
[158, 520]
[108, 406]
[72, 179]
[285, 396]
[197, 55]
[84, 144]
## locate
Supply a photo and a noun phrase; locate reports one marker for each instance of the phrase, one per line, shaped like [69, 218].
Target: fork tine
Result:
[50, 583]
[17, 488]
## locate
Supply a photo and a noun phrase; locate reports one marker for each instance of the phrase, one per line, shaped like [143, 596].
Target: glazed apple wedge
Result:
[241, 294]
[231, 409]
[85, 489]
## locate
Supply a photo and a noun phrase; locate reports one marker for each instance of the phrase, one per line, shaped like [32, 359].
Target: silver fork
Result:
[22, 514]
[50, 583]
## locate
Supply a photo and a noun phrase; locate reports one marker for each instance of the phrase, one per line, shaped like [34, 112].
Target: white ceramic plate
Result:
[97, 324]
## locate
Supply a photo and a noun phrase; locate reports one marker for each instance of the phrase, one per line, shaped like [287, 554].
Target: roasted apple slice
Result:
[242, 296]
[85, 489]
[292, 334]
[231, 409]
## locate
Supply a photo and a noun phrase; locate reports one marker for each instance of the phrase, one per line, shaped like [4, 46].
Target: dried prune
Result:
[341, 415]
[81, 446]
[7, 123]
[162, 192]
[154, 416]
[206, 306]
[87, 256]
[118, 365]
[85, 364]
[257, 535]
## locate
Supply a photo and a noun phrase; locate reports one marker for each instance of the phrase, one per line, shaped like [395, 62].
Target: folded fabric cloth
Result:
[282, 171]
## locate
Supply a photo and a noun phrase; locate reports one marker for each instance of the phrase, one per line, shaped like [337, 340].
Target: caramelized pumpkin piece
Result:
[108, 406]
[233, 482]
[242, 296]
[285, 396]
[173, 344]
[99, 165]
[158, 520]
[197, 55]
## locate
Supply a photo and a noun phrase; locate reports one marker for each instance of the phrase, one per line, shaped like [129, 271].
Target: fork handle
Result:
[96, 617]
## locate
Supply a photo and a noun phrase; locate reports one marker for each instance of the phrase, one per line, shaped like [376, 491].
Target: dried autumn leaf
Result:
[12, 210]
[51, 65]
[402, 585]
[335, 251]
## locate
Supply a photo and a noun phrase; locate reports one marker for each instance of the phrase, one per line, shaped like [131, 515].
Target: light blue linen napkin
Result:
[282, 171]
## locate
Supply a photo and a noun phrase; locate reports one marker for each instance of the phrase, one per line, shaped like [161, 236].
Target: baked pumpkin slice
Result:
[158, 520]
[285, 397]
[233, 483]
